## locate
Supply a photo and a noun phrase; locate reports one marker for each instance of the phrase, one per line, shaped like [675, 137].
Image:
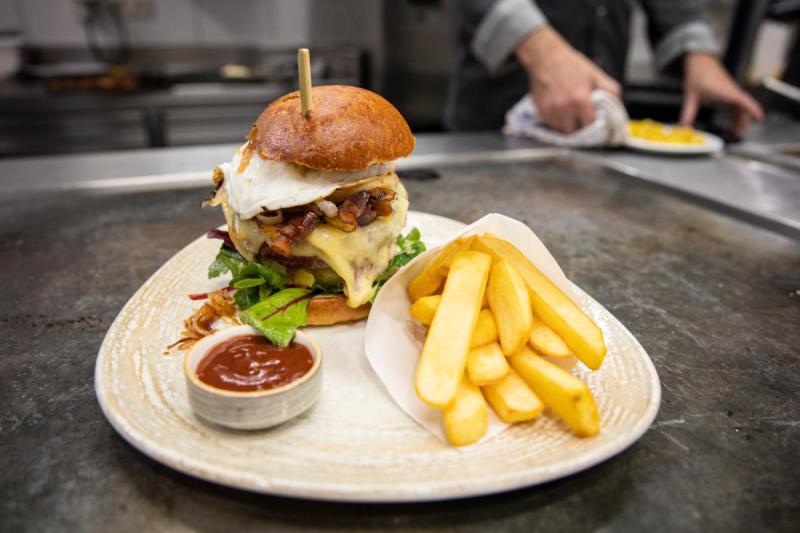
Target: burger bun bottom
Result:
[327, 309]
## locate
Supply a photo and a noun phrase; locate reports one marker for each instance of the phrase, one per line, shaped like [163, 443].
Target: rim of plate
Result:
[363, 493]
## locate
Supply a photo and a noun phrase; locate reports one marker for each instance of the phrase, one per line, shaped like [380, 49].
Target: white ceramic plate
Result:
[712, 144]
[355, 444]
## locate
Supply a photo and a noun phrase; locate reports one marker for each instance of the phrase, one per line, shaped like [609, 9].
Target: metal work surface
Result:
[765, 191]
[713, 300]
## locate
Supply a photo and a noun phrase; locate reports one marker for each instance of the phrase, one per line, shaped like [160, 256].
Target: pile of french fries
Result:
[493, 320]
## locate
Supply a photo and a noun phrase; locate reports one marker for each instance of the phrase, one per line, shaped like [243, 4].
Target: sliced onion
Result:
[337, 222]
[328, 208]
[389, 182]
[271, 220]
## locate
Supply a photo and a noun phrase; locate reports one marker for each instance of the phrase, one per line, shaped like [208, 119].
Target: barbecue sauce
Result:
[252, 363]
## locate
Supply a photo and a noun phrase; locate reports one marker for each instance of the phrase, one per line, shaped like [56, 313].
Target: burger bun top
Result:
[348, 128]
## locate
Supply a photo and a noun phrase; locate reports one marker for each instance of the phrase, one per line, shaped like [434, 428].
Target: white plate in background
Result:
[712, 145]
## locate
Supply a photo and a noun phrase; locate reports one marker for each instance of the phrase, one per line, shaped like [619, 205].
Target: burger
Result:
[314, 208]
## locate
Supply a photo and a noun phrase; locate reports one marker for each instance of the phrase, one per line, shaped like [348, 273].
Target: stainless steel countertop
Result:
[715, 301]
[761, 189]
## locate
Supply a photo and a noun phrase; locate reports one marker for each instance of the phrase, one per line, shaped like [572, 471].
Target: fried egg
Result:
[271, 185]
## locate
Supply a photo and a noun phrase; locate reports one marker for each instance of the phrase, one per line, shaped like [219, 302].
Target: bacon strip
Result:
[357, 210]
[353, 207]
[284, 235]
[361, 208]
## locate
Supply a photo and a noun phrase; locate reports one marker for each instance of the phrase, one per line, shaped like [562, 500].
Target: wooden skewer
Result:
[304, 73]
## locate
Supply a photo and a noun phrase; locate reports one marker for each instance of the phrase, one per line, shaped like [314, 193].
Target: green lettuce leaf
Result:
[337, 288]
[257, 271]
[278, 316]
[244, 298]
[227, 260]
[252, 281]
[408, 248]
[246, 283]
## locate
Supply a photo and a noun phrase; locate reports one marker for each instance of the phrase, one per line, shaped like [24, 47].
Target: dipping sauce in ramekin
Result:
[255, 384]
[252, 363]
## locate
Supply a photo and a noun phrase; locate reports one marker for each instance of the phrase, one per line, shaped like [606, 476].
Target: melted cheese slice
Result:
[361, 255]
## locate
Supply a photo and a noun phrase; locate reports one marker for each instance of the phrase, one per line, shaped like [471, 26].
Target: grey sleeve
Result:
[502, 26]
[677, 27]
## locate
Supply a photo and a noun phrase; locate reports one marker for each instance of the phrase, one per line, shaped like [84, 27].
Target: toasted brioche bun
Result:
[348, 129]
[329, 309]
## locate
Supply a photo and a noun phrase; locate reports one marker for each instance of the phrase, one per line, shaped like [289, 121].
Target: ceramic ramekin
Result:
[250, 409]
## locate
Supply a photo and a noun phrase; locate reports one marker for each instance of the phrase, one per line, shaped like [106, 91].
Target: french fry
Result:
[486, 364]
[567, 363]
[512, 399]
[565, 395]
[429, 281]
[424, 309]
[467, 419]
[553, 306]
[510, 305]
[445, 260]
[546, 341]
[444, 354]
[485, 330]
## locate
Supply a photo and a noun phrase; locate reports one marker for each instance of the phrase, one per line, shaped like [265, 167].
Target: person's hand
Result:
[706, 80]
[561, 80]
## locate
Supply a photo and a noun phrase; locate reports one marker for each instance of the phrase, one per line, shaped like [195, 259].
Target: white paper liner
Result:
[393, 339]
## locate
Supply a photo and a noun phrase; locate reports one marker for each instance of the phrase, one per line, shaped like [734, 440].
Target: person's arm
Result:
[561, 79]
[679, 32]
[502, 25]
[678, 27]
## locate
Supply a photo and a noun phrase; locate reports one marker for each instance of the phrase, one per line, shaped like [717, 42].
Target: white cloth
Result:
[610, 127]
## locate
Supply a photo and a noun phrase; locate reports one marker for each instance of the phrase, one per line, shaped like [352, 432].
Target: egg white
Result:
[272, 185]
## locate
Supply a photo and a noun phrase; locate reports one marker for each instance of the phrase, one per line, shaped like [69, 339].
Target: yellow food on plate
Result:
[424, 309]
[444, 354]
[485, 330]
[650, 130]
[429, 281]
[554, 307]
[467, 419]
[512, 400]
[486, 364]
[474, 357]
[510, 305]
[546, 341]
[565, 395]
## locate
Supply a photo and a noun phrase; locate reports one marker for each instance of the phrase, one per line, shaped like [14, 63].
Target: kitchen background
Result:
[88, 75]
